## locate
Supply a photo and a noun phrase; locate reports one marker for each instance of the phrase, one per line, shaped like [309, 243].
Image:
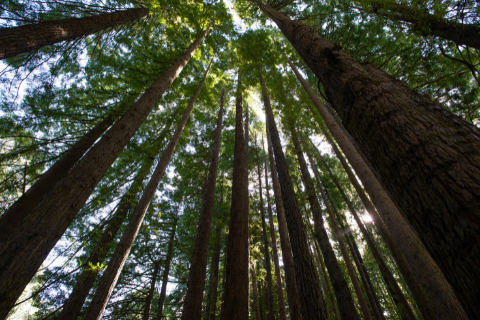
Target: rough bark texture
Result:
[24, 252]
[17, 40]
[192, 307]
[279, 287]
[345, 302]
[294, 306]
[430, 25]
[110, 277]
[266, 254]
[428, 273]
[73, 305]
[14, 215]
[236, 286]
[148, 302]
[306, 276]
[166, 271]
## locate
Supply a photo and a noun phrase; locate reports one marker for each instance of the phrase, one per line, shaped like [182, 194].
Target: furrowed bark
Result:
[17, 40]
[23, 207]
[24, 252]
[278, 275]
[236, 286]
[432, 278]
[110, 277]
[166, 271]
[192, 307]
[294, 306]
[308, 283]
[345, 302]
[148, 303]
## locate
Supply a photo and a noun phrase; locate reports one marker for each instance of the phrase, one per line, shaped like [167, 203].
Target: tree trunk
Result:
[224, 277]
[294, 306]
[345, 302]
[148, 303]
[17, 40]
[427, 271]
[306, 276]
[430, 25]
[211, 307]
[73, 305]
[428, 158]
[166, 271]
[236, 288]
[266, 255]
[279, 286]
[256, 305]
[14, 215]
[110, 277]
[192, 307]
[24, 251]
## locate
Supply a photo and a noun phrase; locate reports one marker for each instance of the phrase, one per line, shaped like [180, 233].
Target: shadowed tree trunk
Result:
[148, 303]
[345, 302]
[110, 277]
[294, 306]
[166, 271]
[24, 251]
[192, 307]
[427, 271]
[308, 283]
[14, 215]
[428, 159]
[224, 277]
[256, 304]
[278, 275]
[386, 273]
[236, 286]
[211, 307]
[266, 255]
[17, 40]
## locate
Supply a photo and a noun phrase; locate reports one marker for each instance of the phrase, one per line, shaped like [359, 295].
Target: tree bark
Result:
[345, 302]
[22, 208]
[148, 303]
[236, 286]
[431, 277]
[192, 307]
[23, 252]
[278, 275]
[166, 271]
[17, 40]
[110, 277]
[211, 308]
[294, 306]
[428, 158]
[266, 255]
[308, 283]
[256, 304]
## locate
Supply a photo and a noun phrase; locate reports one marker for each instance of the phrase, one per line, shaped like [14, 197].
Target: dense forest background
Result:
[54, 95]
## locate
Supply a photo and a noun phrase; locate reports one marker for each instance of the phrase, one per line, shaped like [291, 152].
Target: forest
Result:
[240, 159]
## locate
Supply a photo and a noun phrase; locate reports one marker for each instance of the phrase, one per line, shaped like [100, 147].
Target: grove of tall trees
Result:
[240, 159]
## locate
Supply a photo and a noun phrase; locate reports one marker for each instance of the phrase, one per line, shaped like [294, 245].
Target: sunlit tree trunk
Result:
[24, 251]
[166, 271]
[17, 40]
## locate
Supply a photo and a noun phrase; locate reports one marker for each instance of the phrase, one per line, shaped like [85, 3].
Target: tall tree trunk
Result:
[427, 271]
[211, 307]
[256, 304]
[17, 40]
[345, 302]
[278, 275]
[294, 306]
[110, 277]
[24, 251]
[73, 305]
[412, 142]
[224, 278]
[308, 283]
[166, 271]
[266, 254]
[148, 303]
[236, 286]
[21, 209]
[192, 307]
[428, 24]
